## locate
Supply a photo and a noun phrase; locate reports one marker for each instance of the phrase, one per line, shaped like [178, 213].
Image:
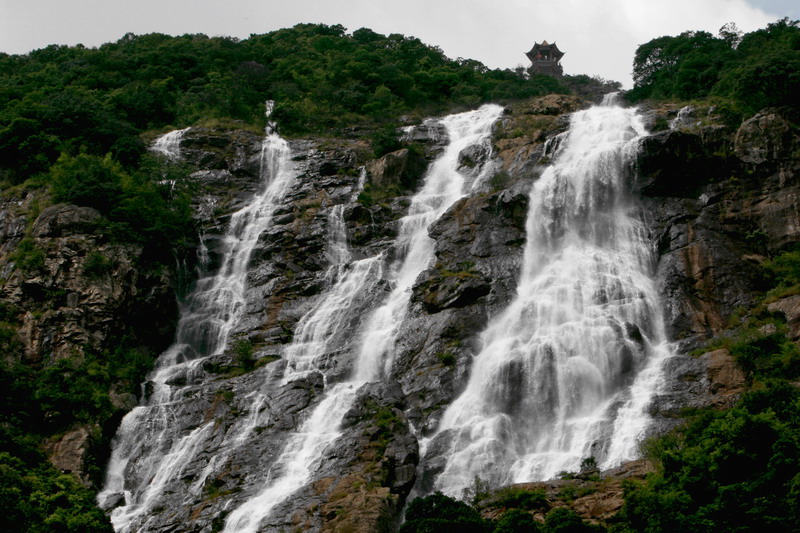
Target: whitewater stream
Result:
[567, 370]
[146, 452]
[444, 183]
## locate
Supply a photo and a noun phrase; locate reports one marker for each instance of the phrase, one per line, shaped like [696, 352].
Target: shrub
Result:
[564, 520]
[516, 521]
[437, 513]
[28, 256]
[725, 471]
[522, 498]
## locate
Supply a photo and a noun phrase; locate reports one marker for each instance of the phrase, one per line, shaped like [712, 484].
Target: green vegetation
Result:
[752, 70]
[519, 498]
[36, 498]
[27, 256]
[74, 123]
[140, 205]
[738, 469]
[438, 512]
[74, 100]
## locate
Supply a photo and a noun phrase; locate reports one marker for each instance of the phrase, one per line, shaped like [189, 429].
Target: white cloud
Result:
[599, 37]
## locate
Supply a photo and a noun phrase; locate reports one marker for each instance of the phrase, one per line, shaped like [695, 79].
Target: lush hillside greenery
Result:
[64, 99]
[752, 70]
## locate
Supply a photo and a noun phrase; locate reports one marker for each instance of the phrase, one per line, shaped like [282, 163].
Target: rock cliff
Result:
[719, 199]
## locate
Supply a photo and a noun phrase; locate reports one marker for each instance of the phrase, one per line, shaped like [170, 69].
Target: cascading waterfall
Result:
[147, 452]
[568, 368]
[169, 144]
[443, 185]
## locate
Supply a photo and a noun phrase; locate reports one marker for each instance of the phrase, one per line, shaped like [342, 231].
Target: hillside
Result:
[324, 282]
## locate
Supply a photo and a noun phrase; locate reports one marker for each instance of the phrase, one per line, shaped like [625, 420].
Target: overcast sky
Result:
[599, 37]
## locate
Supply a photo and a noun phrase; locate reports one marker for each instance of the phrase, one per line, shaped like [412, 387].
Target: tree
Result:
[437, 513]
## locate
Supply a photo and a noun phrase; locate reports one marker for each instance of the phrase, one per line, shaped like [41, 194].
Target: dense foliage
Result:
[42, 403]
[438, 513]
[754, 70]
[73, 120]
[67, 99]
[737, 470]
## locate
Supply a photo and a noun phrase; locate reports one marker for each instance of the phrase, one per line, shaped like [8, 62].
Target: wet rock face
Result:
[362, 484]
[677, 163]
[710, 232]
[716, 217]
[713, 230]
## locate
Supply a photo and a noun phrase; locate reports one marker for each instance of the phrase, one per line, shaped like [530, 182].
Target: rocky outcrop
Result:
[68, 453]
[397, 170]
[72, 293]
[767, 137]
[790, 308]
[76, 288]
[596, 499]
[717, 214]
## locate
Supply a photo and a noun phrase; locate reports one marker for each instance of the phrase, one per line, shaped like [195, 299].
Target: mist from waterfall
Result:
[567, 370]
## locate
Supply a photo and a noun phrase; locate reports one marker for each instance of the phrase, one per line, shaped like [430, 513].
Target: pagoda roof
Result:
[544, 46]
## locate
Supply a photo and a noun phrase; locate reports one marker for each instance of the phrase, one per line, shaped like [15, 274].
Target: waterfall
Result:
[567, 370]
[444, 183]
[169, 144]
[148, 452]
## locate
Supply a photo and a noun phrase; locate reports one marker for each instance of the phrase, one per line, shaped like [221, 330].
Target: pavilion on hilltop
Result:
[545, 58]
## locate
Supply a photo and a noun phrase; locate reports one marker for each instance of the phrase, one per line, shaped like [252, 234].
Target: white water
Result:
[169, 144]
[147, 452]
[568, 369]
[443, 185]
[349, 280]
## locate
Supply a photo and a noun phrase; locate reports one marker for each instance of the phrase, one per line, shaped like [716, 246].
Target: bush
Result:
[385, 140]
[437, 513]
[516, 521]
[510, 497]
[768, 356]
[564, 520]
[737, 470]
[87, 180]
[149, 206]
[28, 257]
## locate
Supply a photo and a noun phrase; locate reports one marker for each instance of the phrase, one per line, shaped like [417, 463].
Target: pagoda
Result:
[545, 59]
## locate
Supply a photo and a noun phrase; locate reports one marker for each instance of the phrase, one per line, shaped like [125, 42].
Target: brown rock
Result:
[790, 307]
[396, 168]
[601, 500]
[552, 104]
[362, 511]
[68, 453]
[766, 136]
[726, 379]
